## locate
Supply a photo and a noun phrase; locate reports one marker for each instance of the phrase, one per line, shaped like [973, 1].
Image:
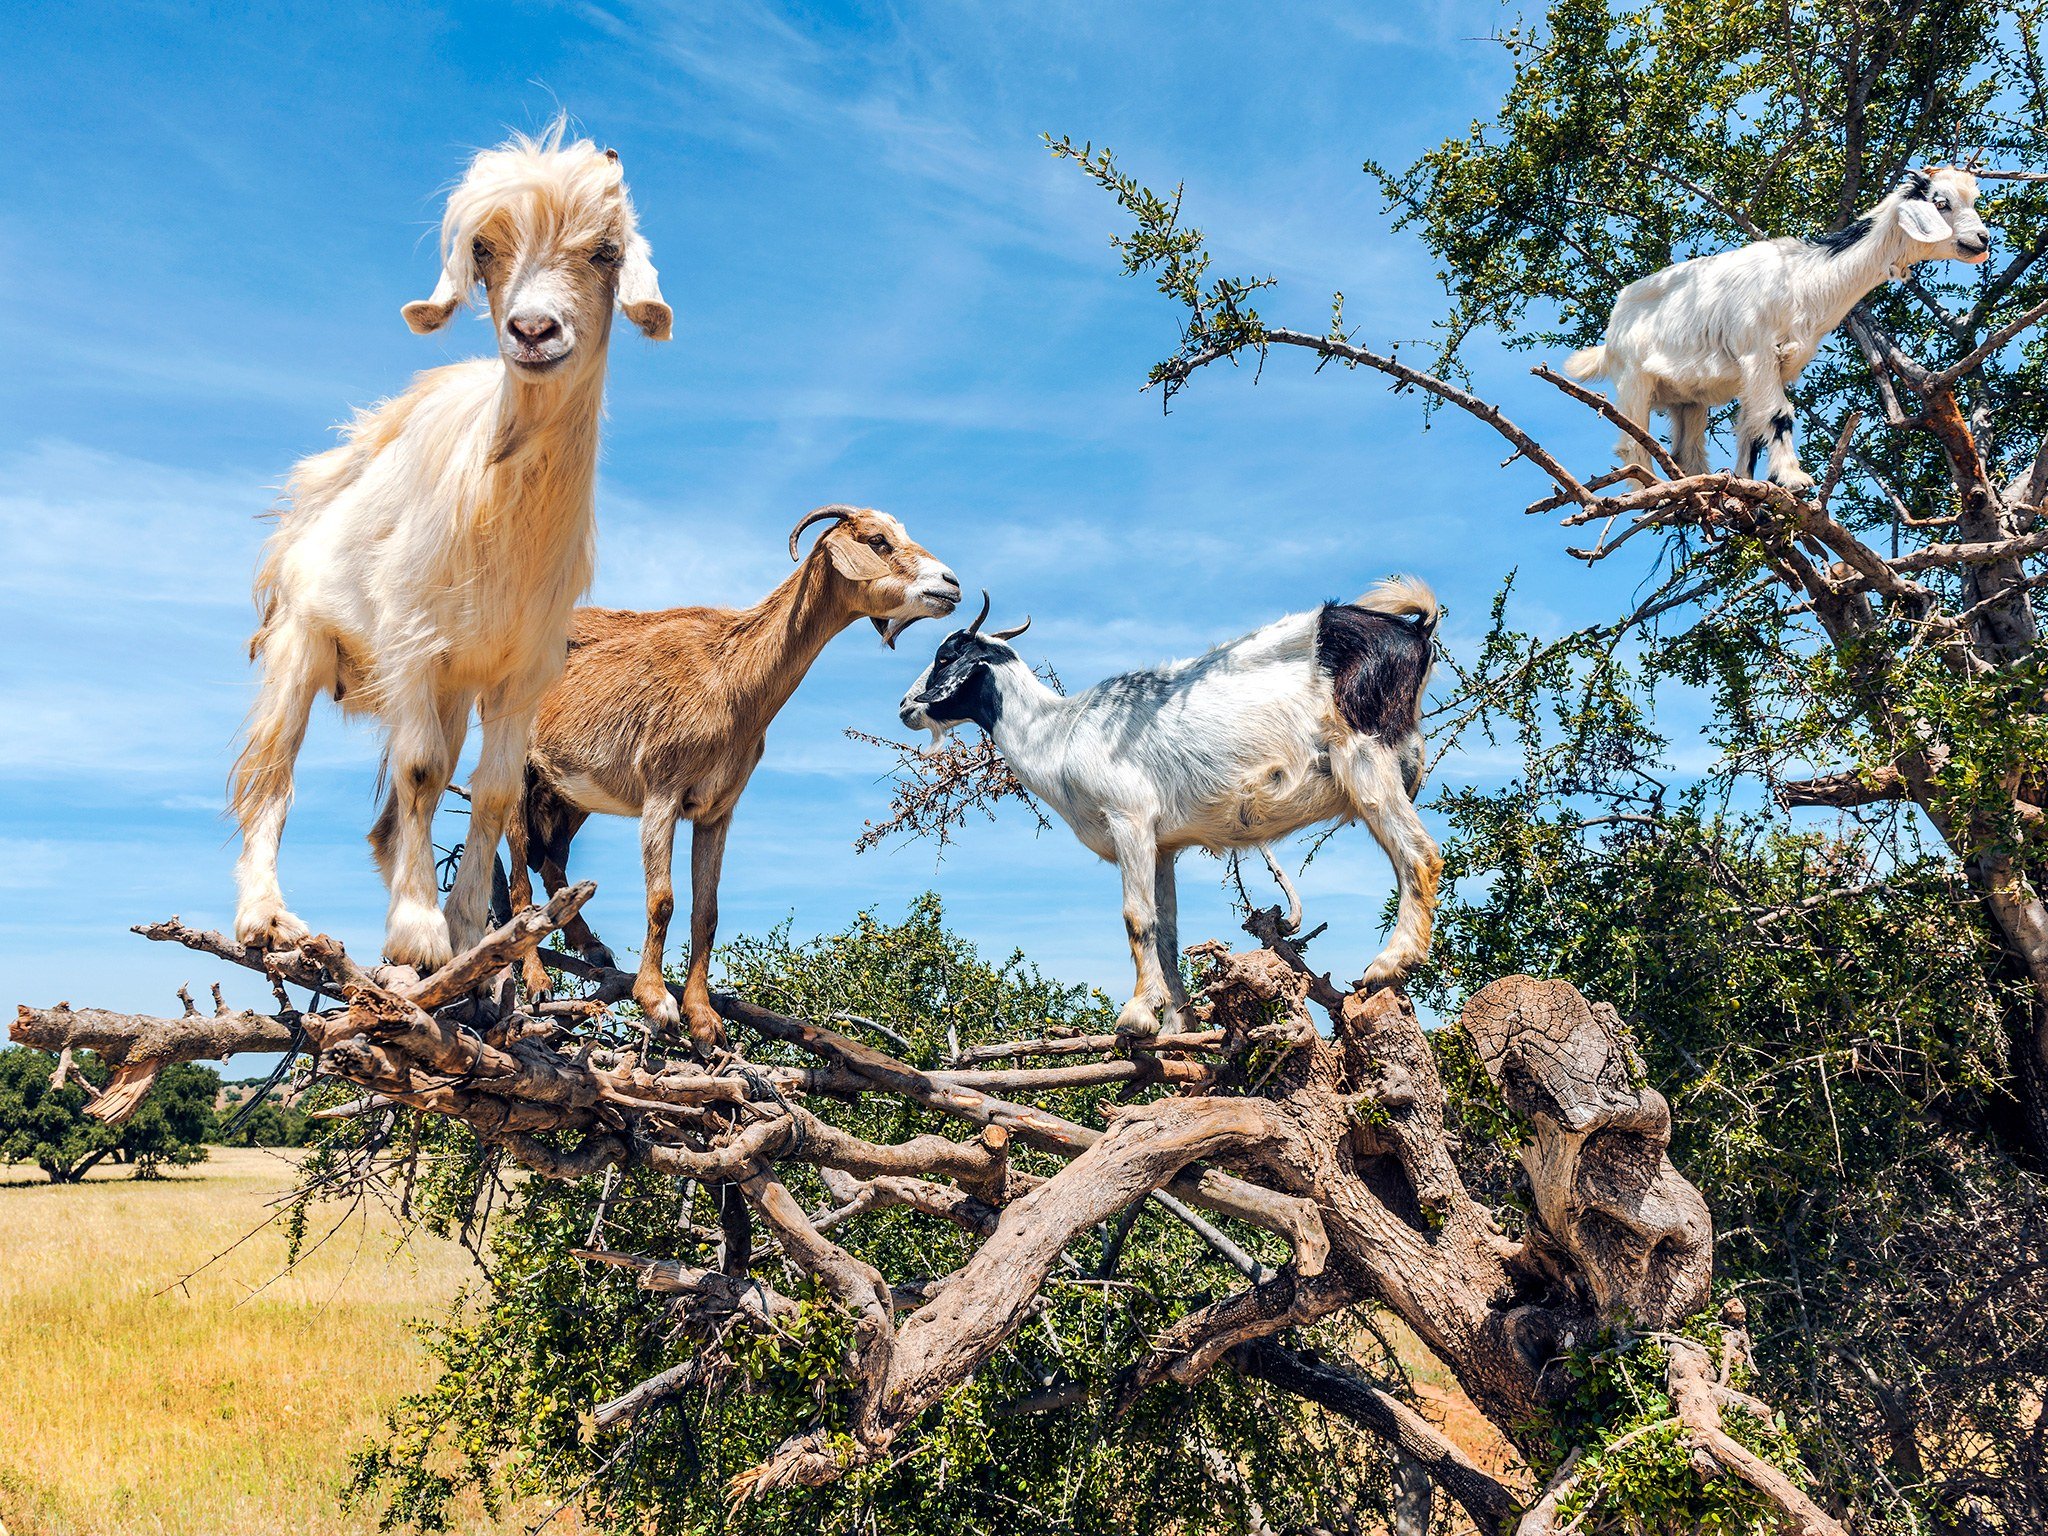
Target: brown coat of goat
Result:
[663, 715]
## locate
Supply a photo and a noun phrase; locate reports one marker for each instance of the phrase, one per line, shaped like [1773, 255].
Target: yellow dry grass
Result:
[132, 1406]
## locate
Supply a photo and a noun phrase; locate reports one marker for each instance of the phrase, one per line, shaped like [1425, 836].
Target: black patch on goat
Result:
[1377, 664]
[1835, 242]
[1914, 184]
[960, 686]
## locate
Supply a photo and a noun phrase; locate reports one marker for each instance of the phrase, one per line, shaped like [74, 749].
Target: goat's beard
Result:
[889, 629]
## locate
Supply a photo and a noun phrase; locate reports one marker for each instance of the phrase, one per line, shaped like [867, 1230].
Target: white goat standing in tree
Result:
[1743, 324]
[1313, 718]
[428, 565]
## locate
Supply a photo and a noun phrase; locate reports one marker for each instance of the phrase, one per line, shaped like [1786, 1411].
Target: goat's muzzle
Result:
[536, 342]
[934, 600]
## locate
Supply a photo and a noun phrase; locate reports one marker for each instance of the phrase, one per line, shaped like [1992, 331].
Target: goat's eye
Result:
[480, 253]
[607, 254]
[876, 542]
[1941, 203]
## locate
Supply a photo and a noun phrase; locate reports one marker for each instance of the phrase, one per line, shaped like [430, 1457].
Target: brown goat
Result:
[662, 716]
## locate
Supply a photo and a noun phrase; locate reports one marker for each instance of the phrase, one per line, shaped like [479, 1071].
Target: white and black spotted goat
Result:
[1314, 718]
[1743, 324]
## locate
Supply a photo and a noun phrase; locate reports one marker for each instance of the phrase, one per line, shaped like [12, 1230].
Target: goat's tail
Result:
[1401, 597]
[1587, 363]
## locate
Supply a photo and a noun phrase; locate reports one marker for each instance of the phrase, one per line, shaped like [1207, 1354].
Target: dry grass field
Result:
[224, 1407]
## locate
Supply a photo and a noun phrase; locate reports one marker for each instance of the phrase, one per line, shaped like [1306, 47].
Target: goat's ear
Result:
[640, 292]
[853, 559]
[1923, 221]
[425, 315]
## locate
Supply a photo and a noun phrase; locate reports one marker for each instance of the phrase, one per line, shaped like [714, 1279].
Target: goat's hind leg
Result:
[1689, 436]
[550, 825]
[1166, 936]
[493, 798]
[1633, 397]
[707, 859]
[657, 855]
[1370, 772]
[296, 669]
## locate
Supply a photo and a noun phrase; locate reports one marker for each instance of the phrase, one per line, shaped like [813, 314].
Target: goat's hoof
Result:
[599, 954]
[418, 937]
[270, 926]
[1382, 973]
[660, 1009]
[1795, 481]
[706, 1027]
[1137, 1018]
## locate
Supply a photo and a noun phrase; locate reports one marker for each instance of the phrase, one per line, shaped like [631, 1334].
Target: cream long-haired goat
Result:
[1743, 324]
[428, 566]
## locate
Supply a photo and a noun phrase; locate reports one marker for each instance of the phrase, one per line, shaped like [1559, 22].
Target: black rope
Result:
[296, 1044]
[761, 1091]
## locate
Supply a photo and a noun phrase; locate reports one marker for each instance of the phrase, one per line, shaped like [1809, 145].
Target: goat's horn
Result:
[1011, 634]
[975, 627]
[837, 514]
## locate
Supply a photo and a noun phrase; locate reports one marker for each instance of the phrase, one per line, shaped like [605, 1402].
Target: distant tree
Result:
[50, 1128]
[174, 1123]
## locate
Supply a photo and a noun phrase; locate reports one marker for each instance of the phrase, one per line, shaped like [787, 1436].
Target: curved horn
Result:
[975, 627]
[1011, 634]
[838, 514]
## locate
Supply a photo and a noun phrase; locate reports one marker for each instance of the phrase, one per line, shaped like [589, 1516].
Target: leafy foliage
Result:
[1833, 1039]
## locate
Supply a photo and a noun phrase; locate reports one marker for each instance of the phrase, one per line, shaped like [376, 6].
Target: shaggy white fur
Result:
[428, 565]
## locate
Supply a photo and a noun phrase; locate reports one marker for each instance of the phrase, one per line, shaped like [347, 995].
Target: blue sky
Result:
[886, 292]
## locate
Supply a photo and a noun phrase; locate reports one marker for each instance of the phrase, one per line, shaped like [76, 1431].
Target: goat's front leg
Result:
[657, 856]
[1765, 423]
[1137, 856]
[1166, 934]
[493, 797]
[707, 857]
[422, 762]
[1371, 775]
